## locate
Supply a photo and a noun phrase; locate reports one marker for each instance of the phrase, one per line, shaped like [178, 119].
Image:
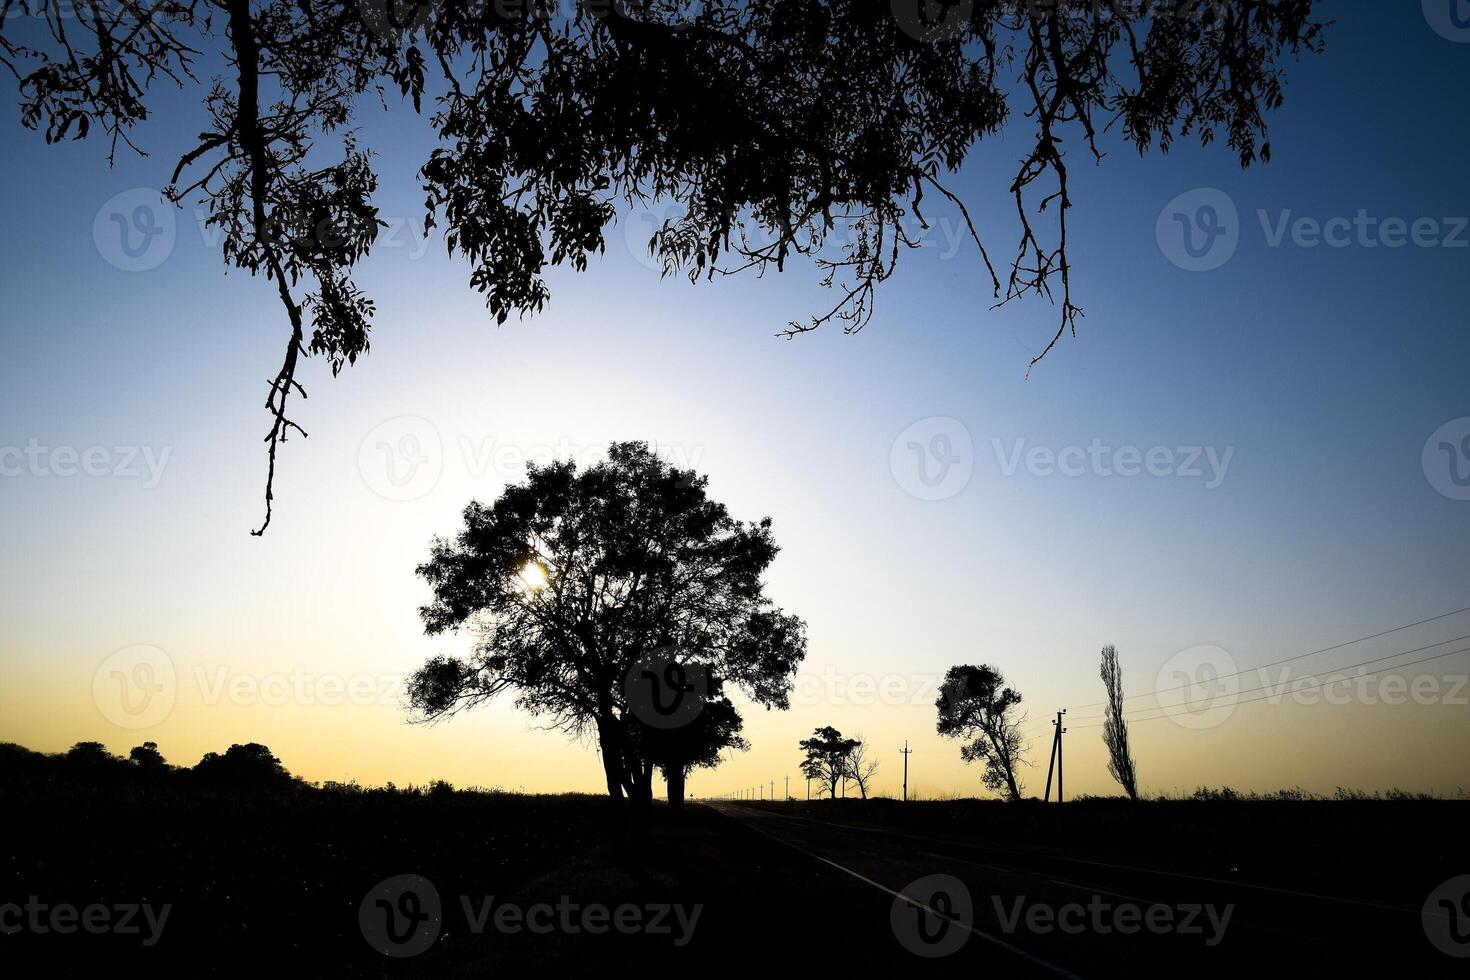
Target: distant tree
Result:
[827, 755]
[975, 704]
[247, 766]
[573, 578]
[90, 755]
[1115, 729]
[860, 768]
[701, 743]
[780, 128]
[147, 757]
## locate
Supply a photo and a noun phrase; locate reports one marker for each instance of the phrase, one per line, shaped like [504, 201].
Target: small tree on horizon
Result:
[827, 753]
[1115, 729]
[974, 703]
[147, 757]
[860, 768]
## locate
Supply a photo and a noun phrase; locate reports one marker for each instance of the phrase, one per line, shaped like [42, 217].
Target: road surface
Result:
[1030, 911]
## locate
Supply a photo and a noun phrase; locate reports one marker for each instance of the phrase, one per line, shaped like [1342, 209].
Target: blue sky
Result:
[1322, 370]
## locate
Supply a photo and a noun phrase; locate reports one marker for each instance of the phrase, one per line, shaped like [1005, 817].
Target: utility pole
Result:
[773, 790]
[808, 789]
[788, 787]
[906, 754]
[1060, 732]
[1056, 759]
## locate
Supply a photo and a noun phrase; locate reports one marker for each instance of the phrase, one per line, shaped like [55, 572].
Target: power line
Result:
[1299, 656]
[1265, 687]
[1319, 684]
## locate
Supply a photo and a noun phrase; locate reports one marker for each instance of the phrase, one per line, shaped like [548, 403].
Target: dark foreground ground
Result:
[1214, 887]
[305, 881]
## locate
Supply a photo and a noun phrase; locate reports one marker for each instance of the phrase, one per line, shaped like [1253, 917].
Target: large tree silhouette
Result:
[976, 704]
[780, 127]
[574, 580]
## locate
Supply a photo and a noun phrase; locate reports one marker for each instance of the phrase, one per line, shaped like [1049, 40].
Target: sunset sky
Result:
[1292, 506]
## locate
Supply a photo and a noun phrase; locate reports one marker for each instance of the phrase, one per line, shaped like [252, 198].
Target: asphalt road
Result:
[1023, 911]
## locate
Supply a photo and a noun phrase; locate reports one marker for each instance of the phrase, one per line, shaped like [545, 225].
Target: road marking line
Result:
[1042, 855]
[996, 940]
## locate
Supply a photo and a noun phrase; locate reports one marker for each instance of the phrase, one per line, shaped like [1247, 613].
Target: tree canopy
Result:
[575, 581]
[700, 743]
[827, 755]
[780, 127]
[975, 703]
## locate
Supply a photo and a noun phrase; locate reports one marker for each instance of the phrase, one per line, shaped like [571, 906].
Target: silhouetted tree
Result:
[147, 757]
[247, 766]
[827, 752]
[92, 756]
[574, 577]
[974, 703]
[860, 768]
[780, 127]
[1115, 729]
[677, 751]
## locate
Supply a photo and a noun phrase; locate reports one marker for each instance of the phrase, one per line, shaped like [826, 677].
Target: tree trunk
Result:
[640, 794]
[674, 782]
[610, 747]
